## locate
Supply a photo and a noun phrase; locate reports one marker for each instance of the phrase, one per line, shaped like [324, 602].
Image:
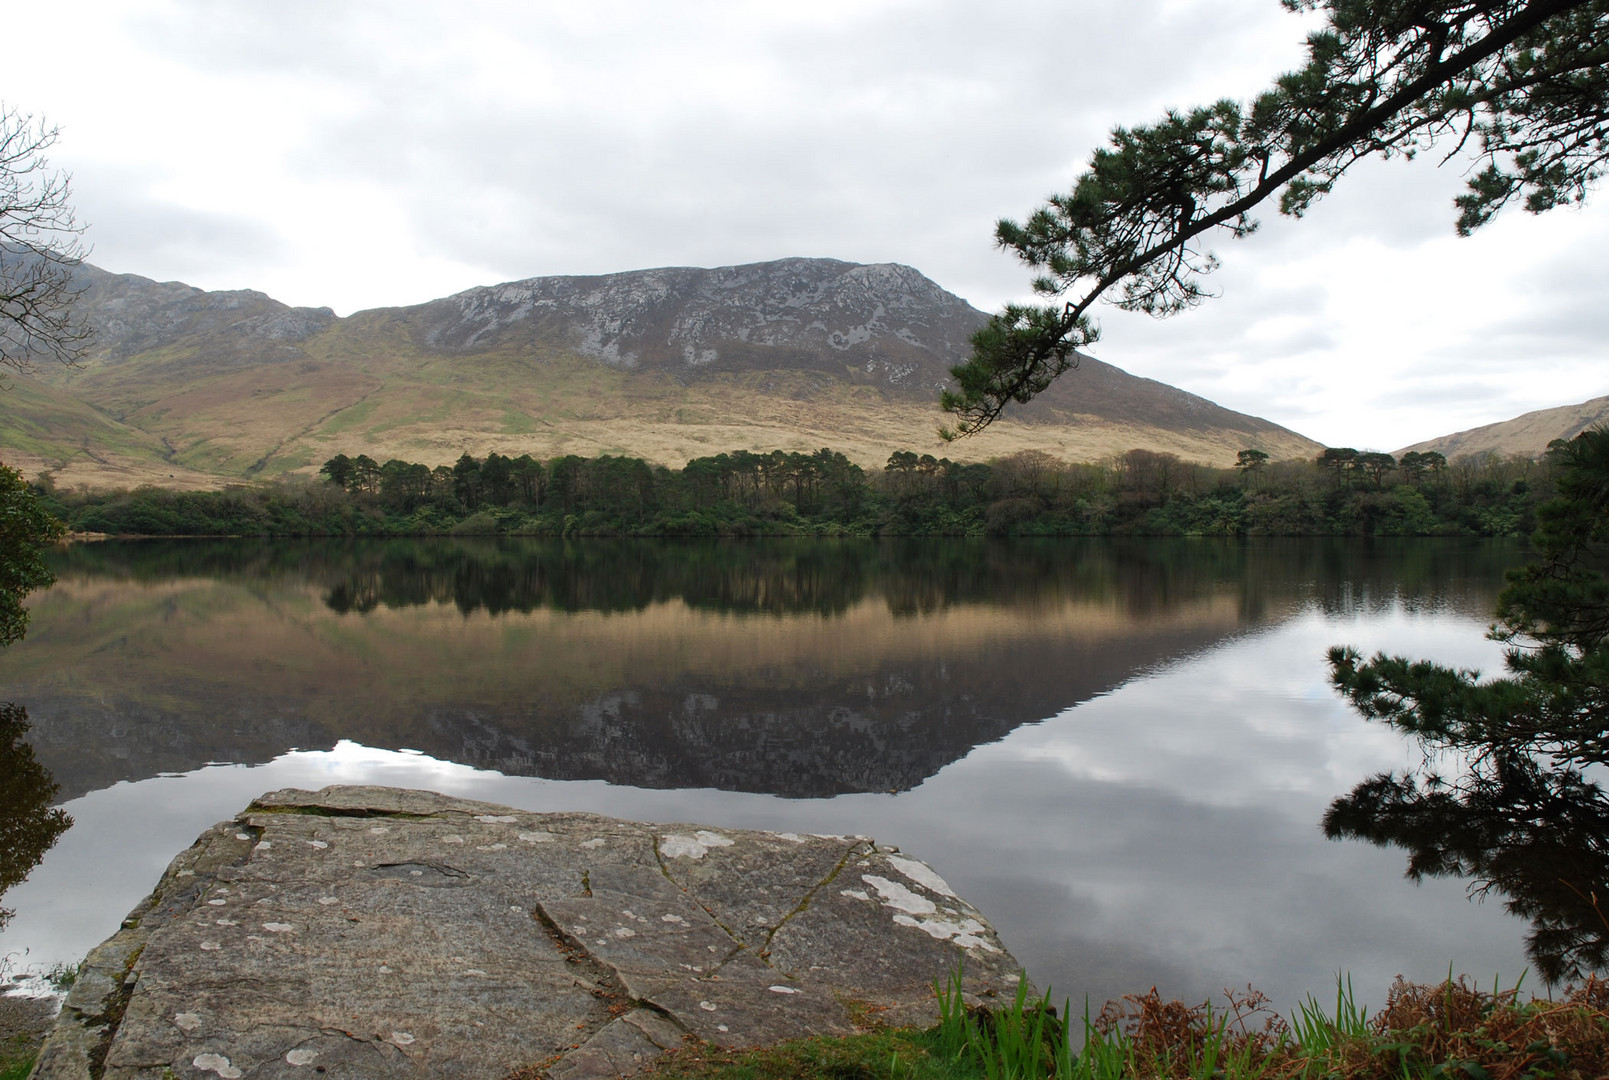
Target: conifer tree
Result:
[1523, 809]
[1524, 84]
[1554, 616]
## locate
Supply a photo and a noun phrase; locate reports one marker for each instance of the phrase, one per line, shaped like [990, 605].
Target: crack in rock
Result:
[640, 941]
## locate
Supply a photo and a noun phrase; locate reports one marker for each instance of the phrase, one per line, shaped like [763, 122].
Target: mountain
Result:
[186, 387]
[1527, 435]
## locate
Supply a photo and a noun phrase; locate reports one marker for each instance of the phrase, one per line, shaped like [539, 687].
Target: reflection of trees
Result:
[1528, 816]
[1536, 834]
[823, 577]
[912, 576]
[600, 575]
[1022, 629]
[29, 825]
[1141, 576]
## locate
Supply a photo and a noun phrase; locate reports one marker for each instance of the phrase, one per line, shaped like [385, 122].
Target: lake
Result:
[1119, 750]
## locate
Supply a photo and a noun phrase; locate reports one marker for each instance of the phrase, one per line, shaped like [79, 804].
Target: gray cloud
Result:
[134, 232]
[862, 137]
[386, 153]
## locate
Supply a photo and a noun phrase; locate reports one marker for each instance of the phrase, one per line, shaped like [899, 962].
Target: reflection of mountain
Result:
[800, 669]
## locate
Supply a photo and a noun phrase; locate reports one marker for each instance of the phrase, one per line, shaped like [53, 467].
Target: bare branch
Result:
[40, 245]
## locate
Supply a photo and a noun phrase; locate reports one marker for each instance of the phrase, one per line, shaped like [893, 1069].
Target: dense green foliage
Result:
[1521, 808]
[1523, 84]
[1140, 493]
[25, 527]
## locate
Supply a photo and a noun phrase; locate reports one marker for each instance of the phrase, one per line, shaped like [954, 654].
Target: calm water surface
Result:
[1119, 751]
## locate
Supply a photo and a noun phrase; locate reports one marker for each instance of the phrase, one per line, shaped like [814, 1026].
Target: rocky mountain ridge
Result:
[887, 321]
[194, 387]
[133, 314]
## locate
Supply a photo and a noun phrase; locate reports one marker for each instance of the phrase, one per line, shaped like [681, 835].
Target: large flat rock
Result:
[380, 932]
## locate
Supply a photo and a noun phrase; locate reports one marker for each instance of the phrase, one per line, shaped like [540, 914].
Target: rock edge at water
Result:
[382, 932]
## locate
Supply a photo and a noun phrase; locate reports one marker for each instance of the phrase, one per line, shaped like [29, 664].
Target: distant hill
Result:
[187, 387]
[1528, 434]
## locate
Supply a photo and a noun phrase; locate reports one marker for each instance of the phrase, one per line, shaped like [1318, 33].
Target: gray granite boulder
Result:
[379, 932]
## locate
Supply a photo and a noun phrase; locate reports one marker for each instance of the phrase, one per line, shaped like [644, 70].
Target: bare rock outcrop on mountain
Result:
[133, 315]
[885, 324]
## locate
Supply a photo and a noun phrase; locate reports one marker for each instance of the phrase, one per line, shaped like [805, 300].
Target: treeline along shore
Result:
[1143, 493]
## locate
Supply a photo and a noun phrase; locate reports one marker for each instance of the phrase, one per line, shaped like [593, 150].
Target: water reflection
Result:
[1534, 834]
[29, 826]
[800, 669]
[823, 577]
[1119, 750]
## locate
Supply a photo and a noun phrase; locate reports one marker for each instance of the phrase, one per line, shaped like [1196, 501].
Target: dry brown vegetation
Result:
[289, 420]
[1524, 436]
[1433, 1032]
[1424, 1030]
[170, 416]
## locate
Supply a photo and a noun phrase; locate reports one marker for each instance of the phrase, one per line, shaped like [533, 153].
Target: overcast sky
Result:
[365, 154]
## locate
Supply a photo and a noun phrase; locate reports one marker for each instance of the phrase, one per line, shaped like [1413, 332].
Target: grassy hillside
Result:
[190, 388]
[1527, 435]
[390, 401]
[45, 429]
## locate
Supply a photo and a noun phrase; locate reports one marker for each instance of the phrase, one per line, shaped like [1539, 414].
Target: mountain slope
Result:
[1527, 435]
[44, 428]
[666, 364]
